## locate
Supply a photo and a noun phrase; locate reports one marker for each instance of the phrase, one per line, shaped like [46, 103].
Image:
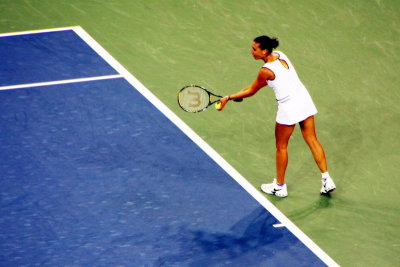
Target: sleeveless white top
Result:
[294, 101]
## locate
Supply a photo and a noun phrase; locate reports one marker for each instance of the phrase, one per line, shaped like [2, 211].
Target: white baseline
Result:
[87, 79]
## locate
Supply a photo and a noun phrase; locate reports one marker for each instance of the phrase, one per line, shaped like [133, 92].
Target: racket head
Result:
[194, 98]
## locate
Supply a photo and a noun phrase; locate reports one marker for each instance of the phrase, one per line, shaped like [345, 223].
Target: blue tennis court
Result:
[95, 173]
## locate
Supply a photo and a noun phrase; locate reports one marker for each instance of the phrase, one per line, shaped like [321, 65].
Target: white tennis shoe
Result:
[327, 186]
[275, 189]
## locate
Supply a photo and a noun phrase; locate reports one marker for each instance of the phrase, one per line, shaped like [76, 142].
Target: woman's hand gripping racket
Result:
[196, 98]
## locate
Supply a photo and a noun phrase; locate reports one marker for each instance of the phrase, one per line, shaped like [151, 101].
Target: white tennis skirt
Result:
[293, 110]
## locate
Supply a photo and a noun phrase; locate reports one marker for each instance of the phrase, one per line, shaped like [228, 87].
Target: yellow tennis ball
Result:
[218, 105]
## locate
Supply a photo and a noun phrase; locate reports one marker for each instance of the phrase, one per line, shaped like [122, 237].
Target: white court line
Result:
[284, 221]
[35, 32]
[88, 79]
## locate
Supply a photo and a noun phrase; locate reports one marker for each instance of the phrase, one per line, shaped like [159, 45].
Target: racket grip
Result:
[238, 99]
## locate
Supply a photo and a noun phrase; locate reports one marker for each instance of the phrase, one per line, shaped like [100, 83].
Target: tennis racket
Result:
[195, 98]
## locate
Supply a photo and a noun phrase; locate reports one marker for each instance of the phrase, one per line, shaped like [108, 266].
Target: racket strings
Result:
[193, 99]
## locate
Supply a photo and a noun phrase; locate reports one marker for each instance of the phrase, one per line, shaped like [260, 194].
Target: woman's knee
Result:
[281, 146]
[310, 139]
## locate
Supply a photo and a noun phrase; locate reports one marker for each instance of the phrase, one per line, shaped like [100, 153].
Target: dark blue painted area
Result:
[93, 175]
[46, 57]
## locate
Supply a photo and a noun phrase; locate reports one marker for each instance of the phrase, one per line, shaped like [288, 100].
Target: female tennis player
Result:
[294, 106]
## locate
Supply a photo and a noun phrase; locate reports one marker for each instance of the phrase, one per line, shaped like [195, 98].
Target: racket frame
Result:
[210, 94]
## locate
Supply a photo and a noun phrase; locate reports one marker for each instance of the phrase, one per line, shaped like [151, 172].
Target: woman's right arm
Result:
[263, 76]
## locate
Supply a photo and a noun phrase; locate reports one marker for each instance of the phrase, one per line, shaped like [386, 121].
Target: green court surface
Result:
[346, 53]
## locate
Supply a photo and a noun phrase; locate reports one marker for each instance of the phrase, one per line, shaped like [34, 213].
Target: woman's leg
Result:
[282, 136]
[308, 130]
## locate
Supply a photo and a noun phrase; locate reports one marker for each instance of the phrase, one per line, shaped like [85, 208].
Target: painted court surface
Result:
[97, 172]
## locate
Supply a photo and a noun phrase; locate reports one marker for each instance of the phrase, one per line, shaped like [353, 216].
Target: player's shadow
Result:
[253, 233]
[324, 202]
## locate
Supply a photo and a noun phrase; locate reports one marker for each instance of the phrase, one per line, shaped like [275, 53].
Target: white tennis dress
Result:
[294, 101]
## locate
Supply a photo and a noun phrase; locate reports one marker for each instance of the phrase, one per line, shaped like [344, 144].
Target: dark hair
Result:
[267, 42]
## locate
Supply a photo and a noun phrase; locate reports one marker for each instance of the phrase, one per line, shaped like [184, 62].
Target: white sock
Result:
[325, 175]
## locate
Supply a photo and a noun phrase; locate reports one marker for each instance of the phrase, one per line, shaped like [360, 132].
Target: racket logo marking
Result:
[195, 100]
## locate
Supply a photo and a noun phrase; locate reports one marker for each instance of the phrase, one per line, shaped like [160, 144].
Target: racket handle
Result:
[238, 99]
